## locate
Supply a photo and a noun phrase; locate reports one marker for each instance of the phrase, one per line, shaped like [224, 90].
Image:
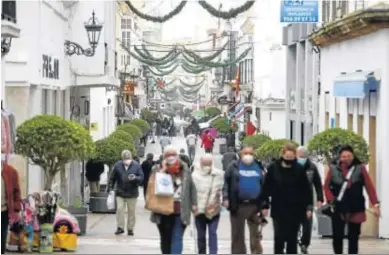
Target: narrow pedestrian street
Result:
[101, 240]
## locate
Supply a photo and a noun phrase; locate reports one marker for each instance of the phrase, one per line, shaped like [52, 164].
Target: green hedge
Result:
[255, 141]
[131, 129]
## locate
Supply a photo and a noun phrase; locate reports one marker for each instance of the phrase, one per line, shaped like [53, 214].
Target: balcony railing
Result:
[8, 11]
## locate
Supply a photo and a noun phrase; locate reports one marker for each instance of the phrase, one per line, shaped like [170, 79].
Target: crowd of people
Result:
[249, 191]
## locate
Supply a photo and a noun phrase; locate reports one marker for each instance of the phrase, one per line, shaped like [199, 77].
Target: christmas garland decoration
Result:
[167, 91]
[190, 99]
[194, 71]
[158, 19]
[147, 55]
[160, 72]
[151, 62]
[167, 99]
[192, 85]
[210, 57]
[217, 64]
[232, 13]
[189, 91]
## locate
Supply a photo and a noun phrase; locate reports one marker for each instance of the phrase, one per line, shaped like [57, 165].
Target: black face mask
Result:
[288, 161]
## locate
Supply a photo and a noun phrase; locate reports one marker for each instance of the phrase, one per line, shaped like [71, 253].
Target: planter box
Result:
[140, 151]
[98, 203]
[324, 226]
[81, 214]
[222, 148]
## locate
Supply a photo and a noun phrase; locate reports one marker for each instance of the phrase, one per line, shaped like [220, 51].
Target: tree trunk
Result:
[48, 180]
[63, 185]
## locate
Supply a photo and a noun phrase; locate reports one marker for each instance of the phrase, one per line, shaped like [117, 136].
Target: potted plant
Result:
[51, 142]
[324, 147]
[80, 212]
[271, 150]
[223, 126]
[255, 141]
[108, 151]
[212, 111]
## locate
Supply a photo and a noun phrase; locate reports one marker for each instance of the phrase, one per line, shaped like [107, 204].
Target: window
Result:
[55, 99]
[136, 27]
[126, 24]
[126, 38]
[45, 101]
[125, 60]
[270, 116]
[64, 109]
[326, 11]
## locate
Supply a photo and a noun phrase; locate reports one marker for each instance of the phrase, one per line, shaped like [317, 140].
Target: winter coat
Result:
[11, 179]
[208, 185]
[125, 187]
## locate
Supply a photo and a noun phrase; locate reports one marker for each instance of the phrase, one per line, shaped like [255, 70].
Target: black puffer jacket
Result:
[125, 187]
[93, 170]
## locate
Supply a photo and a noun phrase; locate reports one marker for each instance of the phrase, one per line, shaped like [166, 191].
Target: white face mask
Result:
[3, 157]
[207, 169]
[171, 160]
[127, 162]
[248, 159]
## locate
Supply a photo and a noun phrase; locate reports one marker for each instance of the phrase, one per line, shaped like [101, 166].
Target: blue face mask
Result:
[302, 161]
[3, 157]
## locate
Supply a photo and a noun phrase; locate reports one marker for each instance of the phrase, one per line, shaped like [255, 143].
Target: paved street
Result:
[101, 240]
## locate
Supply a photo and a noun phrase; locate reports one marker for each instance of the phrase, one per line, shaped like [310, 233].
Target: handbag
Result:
[158, 204]
[329, 209]
[163, 184]
[213, 209]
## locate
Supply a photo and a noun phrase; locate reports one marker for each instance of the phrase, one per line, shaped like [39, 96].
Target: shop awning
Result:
[354, 85]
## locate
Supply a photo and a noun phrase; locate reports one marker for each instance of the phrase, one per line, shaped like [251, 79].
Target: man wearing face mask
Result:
[127, 175]
[241, 195]
[314, 181]
[209, 183]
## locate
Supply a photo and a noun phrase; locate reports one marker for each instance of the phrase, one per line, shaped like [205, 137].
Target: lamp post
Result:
[93, 29]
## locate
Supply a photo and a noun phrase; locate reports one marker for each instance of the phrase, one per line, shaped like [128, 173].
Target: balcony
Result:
[9, 27]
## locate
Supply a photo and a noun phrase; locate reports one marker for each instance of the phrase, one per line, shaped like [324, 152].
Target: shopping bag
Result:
[158, 204]
[163, 184]
[111, 200]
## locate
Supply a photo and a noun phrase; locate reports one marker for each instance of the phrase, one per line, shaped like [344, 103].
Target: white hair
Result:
[303, 149]
[208, 157]
[171, 149]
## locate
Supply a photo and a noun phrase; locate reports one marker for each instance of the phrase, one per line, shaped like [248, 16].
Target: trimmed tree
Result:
[255, 141]
[272, 149]
[51, 142]
[131, 129]
[148, 115]
[143, 125]
[120, 134]
[109, 150]
[213, 111]
[322, 145]
[222, 126]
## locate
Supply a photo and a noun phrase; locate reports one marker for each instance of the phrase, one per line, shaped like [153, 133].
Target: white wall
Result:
[367, 53]
[271, 122]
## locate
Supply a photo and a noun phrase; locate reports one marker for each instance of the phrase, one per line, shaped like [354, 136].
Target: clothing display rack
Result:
[8, 131]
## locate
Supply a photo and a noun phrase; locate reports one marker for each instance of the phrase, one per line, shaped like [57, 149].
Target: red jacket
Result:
[11, 180]
[207, 142]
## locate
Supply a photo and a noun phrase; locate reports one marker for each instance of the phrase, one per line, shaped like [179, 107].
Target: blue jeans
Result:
[177, 235]
[202, 222]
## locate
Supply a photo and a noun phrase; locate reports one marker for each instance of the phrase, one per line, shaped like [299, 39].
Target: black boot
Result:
[130, 232]
[119, 231]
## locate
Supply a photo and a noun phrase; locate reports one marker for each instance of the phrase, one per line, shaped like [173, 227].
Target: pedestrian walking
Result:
[315, 182]
[147, 166]
[209, 183]
[185, 158]
[127, 175]
[229, 157]
[164, 141]
[207, 142]
[343, 188]
[93, 171]
[191, 141]
[10, 199]
[287, 192]
[241, 196]
[172, 227]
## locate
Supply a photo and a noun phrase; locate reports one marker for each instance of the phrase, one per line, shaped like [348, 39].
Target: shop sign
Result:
[50, 67]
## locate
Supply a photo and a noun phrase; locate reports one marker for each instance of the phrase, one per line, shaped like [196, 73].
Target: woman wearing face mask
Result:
[172, 227]
[241, 196]
[209, 183]
[350, 209]
[287, 185]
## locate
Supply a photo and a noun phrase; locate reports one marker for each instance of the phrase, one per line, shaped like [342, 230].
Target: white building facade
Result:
[354, 77]
[42, 79]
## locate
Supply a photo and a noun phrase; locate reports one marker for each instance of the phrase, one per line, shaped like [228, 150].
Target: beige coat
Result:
[206, 187]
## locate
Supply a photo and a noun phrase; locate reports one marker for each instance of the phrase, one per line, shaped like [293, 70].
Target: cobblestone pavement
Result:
[101, 240]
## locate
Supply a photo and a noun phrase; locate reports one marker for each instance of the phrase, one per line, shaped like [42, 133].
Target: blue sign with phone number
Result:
[300, 11]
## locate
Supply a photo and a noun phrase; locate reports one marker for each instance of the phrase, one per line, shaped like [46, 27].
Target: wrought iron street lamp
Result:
[93, 29]
[5, 45]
